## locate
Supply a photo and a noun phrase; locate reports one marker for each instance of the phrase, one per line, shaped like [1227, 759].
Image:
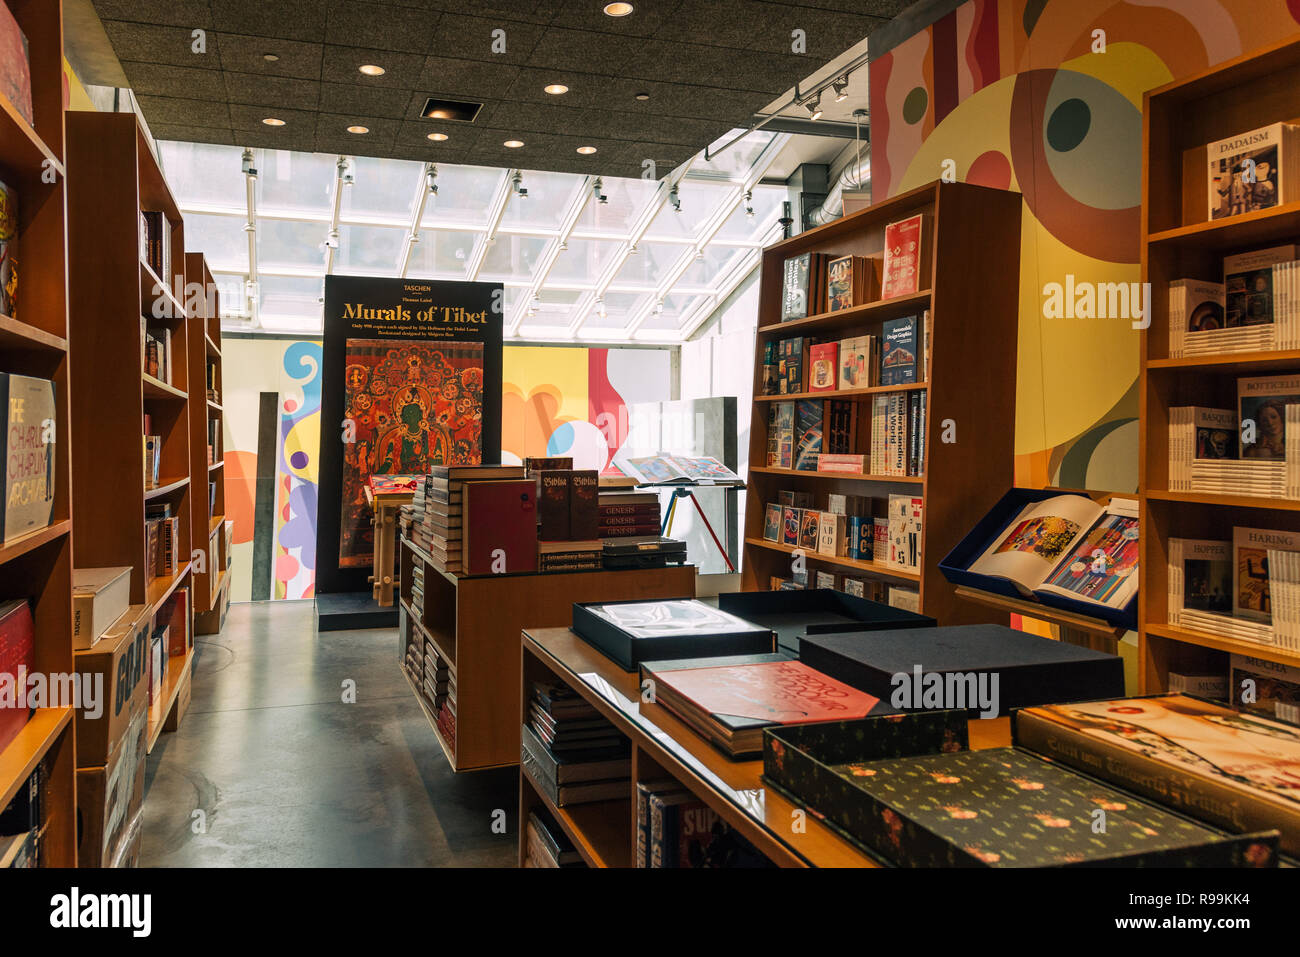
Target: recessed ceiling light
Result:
[643, 96]
[358, 129]
[438, 137]
[586, 150]
[269, 57]
[618, 9]
[370, 69]
[513, 144]
[555, 89]
[273, 121]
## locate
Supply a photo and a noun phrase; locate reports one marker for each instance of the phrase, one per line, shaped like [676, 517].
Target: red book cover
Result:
[783, 692]
[553, 505]
[500, 528]
[823, 360]
[17, 654]
[584, 510]
[902, 258]
[15, 66]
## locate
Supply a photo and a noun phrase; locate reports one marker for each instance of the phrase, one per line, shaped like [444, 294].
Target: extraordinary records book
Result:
[1238, 771]
[631, 632]
[1254, 170]
[1071, 546]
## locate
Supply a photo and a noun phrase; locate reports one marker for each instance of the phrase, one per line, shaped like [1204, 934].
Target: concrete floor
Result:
[287, 775]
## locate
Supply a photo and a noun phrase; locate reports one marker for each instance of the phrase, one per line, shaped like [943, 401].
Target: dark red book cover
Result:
[783, 692]
[609, 511]
[500, 527]
[624, 531]
[553, 505]
[17, 653]
[15, 65]
[584, 511]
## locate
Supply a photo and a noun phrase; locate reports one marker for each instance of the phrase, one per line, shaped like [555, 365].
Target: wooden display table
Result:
[604, 831]
[474, 624]
[386, 505]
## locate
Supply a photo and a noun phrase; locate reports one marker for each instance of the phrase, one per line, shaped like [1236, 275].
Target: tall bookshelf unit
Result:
[1179, 241]
[115, 178]
[208, 498]
[969, 283]
[38, 566]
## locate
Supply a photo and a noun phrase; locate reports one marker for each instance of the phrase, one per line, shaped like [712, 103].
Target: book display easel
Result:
[114, 394]
[468, 628]
[37, 566]
[1184, 237]
[208, 500]
[964, 451]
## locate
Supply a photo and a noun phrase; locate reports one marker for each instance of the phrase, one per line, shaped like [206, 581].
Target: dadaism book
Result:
[1253, 170]
[28, 480]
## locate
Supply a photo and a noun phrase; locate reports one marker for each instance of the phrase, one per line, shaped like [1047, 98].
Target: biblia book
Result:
[1253, 170]
[1070, 546]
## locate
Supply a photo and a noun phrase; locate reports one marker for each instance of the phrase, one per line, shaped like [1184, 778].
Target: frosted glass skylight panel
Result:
[369, 249]
[381, 189]
[626, 200]
[649, 265]
[736, 161]
[676, 307]
[706, 272]
[290, 296]
[583, 261]
[294, 183]
[549, 195]
[222, 239]
[554, 307]
[285, 243]
[204, 174]
[441, 254]
[766, 202]
[620, 308]
[230, 294]
[699, 202]
[511, 258]
[464, 195]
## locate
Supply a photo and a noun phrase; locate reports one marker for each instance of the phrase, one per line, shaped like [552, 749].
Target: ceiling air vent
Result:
[461, 112]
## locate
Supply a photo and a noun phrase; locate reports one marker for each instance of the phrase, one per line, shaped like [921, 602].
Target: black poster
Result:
[412, 379]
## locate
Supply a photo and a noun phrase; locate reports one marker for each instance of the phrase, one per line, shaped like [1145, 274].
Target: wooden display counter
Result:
[604, 832]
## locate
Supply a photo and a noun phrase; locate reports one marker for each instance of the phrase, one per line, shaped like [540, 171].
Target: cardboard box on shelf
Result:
[118, 667]
[110, 797]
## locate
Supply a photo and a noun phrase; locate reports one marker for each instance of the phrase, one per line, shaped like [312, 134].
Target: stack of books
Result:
[570, 556]
[674, 828]
[417, 589]
[1255, 309]
[624, 513]
[849, 526]
[1274, 688]
[441, 528]
[438, 683]
[447, 721]
[547, 845]
[570, 751]
[568, 526]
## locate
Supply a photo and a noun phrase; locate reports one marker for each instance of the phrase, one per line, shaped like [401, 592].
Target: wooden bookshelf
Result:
[211, 583]
[116, 177]
[604, 832]
[474, 625]
[35, 342]
[971, 245]
[1179, 241]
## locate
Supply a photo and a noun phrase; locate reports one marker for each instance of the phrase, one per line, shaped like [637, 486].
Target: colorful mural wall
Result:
[556, 401]
[1045, 97]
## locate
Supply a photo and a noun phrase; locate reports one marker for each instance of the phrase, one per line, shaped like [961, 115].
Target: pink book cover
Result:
[17, 659]
[15, 70]
[902, 258]
[786, 692]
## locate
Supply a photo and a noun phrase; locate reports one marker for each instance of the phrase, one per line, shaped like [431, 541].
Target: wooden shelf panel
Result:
[1231, 501]
[843, 393]
[874, 568]
[447, 750]
[438, 640]
[18, 335]
[868, 312]
[155, 388]
[1267, 226]
[214, 523]
[600, 831]
[158, 590]
[1255, 363]
[25, 543]
[851, 476]
[212, 347]
[1033, 609]
[150, 286]
[214, 408]
[1238, 646]
[21, 147]
[216, 465]
[166, 487]
[177, 667]
[29, 746]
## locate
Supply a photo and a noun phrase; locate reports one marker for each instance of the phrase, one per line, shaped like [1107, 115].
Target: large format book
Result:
[1199, 578]
[1254, 170]
[676, 470]
[1265, 687]
[1069, 545]
[898, 351]
[100, 596]
[906, 515]
[548, 845]
[822, 366]
[857, 362]
[631, 632]
[500, 527]
[450, 475]
[545, 769]
[729, 701]
[808, 432]
[1237, 771]
[903, 246]
[796, 279]
[1196, 320]
[1261, 409]
[553, 504]
[850, 282]
[1251, 594]
[1251, 295]
[963, 660]
[584, 504]
[1198, 434]
[17, 660]
[8, 251]
[27, 481]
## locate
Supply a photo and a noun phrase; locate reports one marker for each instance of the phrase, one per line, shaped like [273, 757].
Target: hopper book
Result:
[1070, 546]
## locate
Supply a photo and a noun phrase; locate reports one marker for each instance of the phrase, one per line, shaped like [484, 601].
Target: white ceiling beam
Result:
[423, 189]
[552, 251]
[332, 236]
[500, 199]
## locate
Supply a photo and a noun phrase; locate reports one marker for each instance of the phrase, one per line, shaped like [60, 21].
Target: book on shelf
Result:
[536, 464]
[1197, 433]
[29, 481]
[15, 65]
[803, 286]
[1199, 684]
[158, 246]
[906, 514]
[823, 361]
[903, 249]
[808, 425]
[547, 845]
[780, 435]
[1196, 319]
[858, 362]
[905, 599]
[899, 350]
[1254, 289]
[809, 528]
[1199, 578]
[500, 527]
[8, 251]
[790, 524]
[729, 701]
[100, 596]
[771, 384]
[1232, 769]
[1254, 170]
[791, 365]
[17, 660]
[772, 522]
[665, 469]
[1262, 400]
[674, 829]
[851, 281]
[825, 579]
[1070, 546]
[1265, 687]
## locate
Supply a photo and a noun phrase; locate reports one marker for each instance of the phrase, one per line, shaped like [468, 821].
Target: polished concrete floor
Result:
[286, 774]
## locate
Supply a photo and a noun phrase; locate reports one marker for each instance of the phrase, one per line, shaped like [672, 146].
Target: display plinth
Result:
[352, 611]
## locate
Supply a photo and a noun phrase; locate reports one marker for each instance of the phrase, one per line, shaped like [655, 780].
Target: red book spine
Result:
[584, 512]
[553, 506]
[17, 658]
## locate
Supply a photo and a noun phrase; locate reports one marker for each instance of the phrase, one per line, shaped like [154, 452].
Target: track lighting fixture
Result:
[517, 182]
[814, 107]
[598, 191]
[749, 204]
[841, 88]
[675, 199]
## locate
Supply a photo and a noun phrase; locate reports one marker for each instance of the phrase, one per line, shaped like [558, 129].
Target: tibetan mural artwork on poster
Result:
[413, 405]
